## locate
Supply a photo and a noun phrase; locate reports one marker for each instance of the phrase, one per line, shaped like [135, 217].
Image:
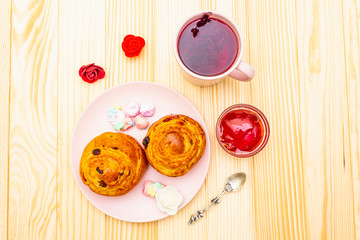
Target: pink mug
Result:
[239, 69]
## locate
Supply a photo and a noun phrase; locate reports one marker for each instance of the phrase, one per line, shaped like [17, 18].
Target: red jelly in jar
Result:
[242, 130]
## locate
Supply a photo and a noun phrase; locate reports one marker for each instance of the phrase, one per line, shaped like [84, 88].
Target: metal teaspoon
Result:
[233, 184]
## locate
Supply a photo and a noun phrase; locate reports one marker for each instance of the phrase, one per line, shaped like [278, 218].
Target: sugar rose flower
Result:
[91, 73]
[132, 45]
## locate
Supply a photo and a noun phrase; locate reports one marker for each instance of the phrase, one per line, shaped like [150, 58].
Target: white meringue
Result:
[115, 116]
[147, 110]
[168, 200]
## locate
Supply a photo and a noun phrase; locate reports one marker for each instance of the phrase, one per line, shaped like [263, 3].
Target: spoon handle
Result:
[200, 213]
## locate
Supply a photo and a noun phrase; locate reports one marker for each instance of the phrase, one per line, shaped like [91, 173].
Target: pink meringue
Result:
[150, 188]
[140, 122]
[147, 110]
[128, 123]
[132, 109]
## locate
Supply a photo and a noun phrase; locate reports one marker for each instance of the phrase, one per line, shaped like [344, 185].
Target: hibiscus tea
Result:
[207, 46]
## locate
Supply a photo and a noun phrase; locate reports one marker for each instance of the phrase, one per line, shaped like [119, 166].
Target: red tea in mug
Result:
[208, 46]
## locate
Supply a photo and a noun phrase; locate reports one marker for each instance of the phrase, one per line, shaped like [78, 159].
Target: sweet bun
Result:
[112, 164]
[174, 144]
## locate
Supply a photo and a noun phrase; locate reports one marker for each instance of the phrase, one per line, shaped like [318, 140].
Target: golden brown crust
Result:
[112, 164]
[174, 144]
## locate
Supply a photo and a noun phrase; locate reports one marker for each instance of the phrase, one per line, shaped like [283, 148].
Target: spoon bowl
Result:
[236, 181]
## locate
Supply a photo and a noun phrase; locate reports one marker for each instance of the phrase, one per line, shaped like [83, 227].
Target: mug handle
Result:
[244, 72]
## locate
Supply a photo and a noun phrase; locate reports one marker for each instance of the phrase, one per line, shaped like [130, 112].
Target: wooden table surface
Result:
[305, 184]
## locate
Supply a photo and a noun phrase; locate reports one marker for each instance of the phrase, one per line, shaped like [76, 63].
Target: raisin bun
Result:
[174, 144]
[112, 164]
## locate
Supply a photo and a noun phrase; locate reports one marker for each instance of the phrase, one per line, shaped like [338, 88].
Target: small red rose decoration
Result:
[132, 45]
[91, 73]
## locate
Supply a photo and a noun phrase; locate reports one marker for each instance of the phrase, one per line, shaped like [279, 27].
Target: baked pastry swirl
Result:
[112, 164]
[174, 144]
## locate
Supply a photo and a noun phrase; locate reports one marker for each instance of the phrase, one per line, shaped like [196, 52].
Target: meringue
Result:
[119, 125]
[115, 117]
[140, 122]
[132, 109]
[151, 188]
[117, 106]
[147, 110]
[128, 123]
[131, 115]
[168, 200]
[112, 111]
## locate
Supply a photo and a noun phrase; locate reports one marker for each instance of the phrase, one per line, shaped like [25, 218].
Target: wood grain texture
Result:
[351, 108]
[5, 45]
[81, 41]
[305, 184]
[33, 114]
[279, 203]
[329, 198]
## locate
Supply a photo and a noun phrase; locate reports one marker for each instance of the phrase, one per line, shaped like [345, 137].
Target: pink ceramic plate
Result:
[135, 206]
